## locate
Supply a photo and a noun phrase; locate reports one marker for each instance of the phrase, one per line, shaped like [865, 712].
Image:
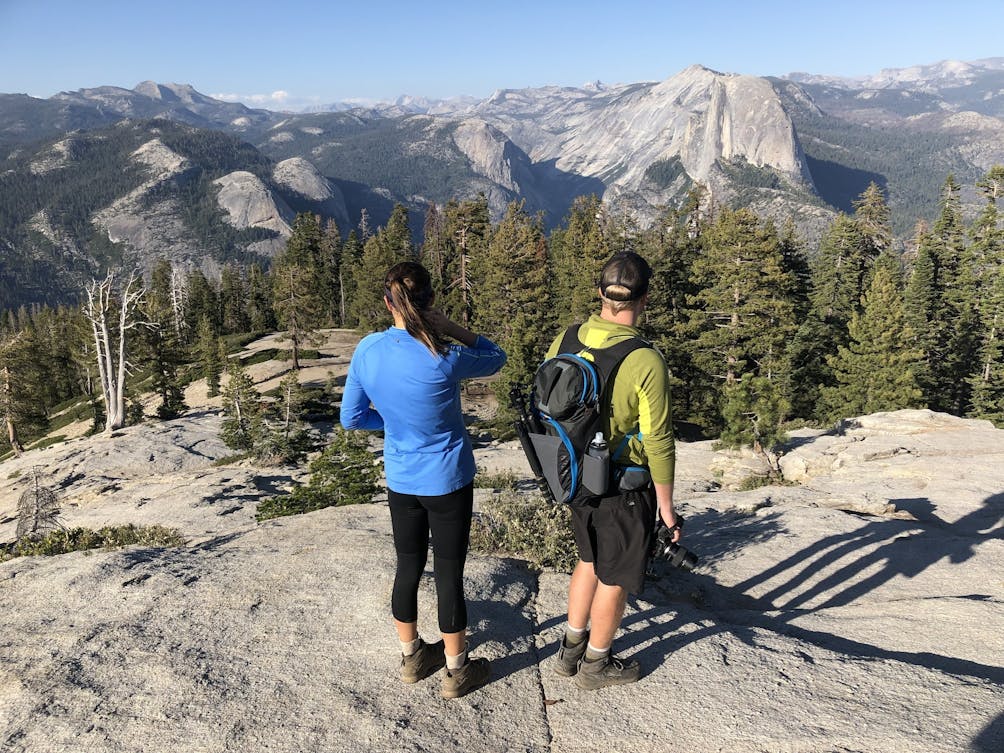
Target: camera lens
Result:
[677, 556]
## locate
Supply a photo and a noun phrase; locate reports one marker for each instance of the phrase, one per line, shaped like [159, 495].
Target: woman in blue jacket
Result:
[406, 381]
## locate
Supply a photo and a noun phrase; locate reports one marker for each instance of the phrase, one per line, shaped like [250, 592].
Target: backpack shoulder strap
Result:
[570, 342]
[608, 359]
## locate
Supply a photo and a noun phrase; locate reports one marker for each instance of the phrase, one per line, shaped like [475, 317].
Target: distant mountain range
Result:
[102, 175]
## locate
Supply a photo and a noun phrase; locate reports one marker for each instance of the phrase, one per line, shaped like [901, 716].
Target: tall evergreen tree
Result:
[298, 307]
[467, 230]
[22, 415]
[873, 217]
[202, 301]
[876, 371]
[233, 301]
[940, 299]
[578, 251]
[243, 426]
[671, 246]
[987, 381]
[511, 297]
[260, 314]
[390, 245]
[743, 313]
[840, 275]
[208, 354]
[161, 346]
[352, 252]
[330, 272]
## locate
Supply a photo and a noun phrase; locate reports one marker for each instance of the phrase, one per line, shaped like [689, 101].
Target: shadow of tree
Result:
[895, 549]
[991, 739]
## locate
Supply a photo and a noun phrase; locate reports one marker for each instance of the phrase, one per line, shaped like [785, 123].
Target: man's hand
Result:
[664, 496]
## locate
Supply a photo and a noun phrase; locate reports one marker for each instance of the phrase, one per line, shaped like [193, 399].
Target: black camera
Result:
[664, 548]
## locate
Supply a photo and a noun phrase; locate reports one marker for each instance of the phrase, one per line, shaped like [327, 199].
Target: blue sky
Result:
[291, 53]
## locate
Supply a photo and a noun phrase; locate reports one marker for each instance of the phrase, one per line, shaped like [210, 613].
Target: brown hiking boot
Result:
[427, 659]
[566, 663]
[610, 670]
[471, 676]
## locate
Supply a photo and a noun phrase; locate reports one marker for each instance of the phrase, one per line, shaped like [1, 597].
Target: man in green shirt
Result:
[614, 533]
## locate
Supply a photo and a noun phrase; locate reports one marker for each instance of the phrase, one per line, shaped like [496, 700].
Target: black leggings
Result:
[448, 516]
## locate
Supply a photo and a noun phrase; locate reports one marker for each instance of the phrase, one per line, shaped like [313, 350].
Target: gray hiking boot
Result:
[566, 663]
[610, 670]
[471, 676]
[427, 659]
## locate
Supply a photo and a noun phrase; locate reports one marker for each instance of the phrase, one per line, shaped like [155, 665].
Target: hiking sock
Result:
[574, 636]
[408, 648]
[456, 662]
[596, 654]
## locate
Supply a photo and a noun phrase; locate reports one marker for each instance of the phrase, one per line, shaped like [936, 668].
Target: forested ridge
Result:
[50, 195]
[758, 337]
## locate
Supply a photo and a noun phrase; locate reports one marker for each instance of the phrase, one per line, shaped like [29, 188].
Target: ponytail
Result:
[408, 288]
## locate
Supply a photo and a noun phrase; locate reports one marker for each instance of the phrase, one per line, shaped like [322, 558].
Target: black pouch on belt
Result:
[631, 478]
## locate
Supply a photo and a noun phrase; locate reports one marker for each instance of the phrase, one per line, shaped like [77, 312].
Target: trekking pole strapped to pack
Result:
[564, 414]
[525, 424]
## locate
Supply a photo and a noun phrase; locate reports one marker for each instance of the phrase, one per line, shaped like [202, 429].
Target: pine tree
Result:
[285, 437]
[242, 427]
[160, 342]
[367, 309]
[233, 301]
[208, 355]
[21, 409]
[841, 273]
[987, 383]
[753, 409]
[940, 299]
[876, 371]
[743, 313]
[390, 245]
[511, 297]
[330, 272]
[297, 305]
[672, 245]
[872, 215]
[260, 314]
[352, 252]
[579, 251]
[466, 231]
[297, 285]
[397, 234]
[202, 301]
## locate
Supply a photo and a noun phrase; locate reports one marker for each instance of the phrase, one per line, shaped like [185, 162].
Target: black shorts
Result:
[615, 534]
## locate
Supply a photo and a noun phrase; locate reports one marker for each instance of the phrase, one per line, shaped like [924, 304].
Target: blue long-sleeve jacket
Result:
[397, 384]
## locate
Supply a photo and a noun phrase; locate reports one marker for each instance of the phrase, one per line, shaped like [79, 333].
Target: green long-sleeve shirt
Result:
[639, 401]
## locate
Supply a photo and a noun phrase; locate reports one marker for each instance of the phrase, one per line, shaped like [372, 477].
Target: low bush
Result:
[81, 539]
[527, 527]
[502, 480]
[343, 474]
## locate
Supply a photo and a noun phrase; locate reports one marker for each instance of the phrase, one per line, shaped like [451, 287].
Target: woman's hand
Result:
[448, 328]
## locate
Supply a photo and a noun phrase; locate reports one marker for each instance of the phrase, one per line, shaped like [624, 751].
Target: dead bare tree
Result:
[111, 318]
[179, 300]
[6, 407]
[37, 509]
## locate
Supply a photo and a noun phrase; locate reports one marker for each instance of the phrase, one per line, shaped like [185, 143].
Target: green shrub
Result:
[527, 527]
[343, 474]
[505, 479]
[754, 481]
[80, 539]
